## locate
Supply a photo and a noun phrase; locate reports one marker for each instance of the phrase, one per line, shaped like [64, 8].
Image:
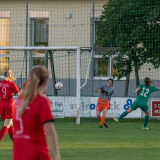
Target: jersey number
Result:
[19, 119]
[4, 91]
[144, 92]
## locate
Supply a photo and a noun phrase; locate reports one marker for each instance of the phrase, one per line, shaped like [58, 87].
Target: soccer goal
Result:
[68, 65]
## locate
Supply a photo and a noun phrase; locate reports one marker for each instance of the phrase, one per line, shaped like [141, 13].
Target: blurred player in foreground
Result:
[103, 103]
[141, 101]
[34, 121]
[7, 105]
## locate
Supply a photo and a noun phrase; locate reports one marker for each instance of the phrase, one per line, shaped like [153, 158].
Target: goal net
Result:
[68, 65]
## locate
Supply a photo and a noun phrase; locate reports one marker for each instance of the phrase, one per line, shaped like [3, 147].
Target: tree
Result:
[134, 27]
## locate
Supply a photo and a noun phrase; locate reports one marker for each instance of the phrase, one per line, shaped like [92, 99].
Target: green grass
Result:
[121, 141]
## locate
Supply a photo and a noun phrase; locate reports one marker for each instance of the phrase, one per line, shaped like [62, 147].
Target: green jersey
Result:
[145, 92]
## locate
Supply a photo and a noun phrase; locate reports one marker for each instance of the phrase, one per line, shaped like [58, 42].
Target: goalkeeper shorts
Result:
[102, 104]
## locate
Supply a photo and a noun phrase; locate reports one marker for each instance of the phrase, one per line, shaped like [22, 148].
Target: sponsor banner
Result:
[66, 107]
[155, 108]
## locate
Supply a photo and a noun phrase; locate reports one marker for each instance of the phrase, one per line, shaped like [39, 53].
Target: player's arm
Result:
[16, 89]
[52, 138]
[47, 119]
[100, 89]
[156, 85]
[20, 92]
[17, 94]
[137, 89]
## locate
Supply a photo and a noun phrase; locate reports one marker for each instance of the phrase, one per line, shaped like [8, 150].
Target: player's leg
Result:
[134, 106]
[103, 119]
[98, 113]
[125, 113]
[10, 115]
[146, 119]
[105, 110]
[4, 129]
[11, 131]
[9, 109]
[98, 110]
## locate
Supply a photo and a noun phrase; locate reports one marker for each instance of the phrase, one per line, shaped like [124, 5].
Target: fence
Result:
[124, 36]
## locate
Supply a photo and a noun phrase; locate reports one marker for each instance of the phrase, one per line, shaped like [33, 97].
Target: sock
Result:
[105, 122]
[122, 115]
[103, 118]
[3, 132]
[99, 118]
[10, 132]
[146, 119]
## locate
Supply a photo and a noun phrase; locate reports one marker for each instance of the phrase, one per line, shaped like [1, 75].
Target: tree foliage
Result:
[134, 27]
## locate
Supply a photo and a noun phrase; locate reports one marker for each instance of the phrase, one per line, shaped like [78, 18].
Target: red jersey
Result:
[29, 134]
[7, 90]
[24, 85]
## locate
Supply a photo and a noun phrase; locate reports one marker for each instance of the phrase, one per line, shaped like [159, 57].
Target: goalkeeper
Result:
[103, 103]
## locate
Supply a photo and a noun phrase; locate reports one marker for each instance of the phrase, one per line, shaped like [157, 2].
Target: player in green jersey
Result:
[141, 101]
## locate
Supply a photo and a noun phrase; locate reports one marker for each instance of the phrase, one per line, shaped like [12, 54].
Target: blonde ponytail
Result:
[9, 75]
[37, 76]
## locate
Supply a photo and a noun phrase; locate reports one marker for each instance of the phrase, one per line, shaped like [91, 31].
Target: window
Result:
[4, 42]
[102, 67]
[39, 37]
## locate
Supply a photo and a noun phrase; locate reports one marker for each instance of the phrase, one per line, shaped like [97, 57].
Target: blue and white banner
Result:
[66, 107]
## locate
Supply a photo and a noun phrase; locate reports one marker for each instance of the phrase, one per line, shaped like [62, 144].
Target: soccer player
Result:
[141, 101]
[103, 103]
[34, 121]
[24, 86]
[7, 105]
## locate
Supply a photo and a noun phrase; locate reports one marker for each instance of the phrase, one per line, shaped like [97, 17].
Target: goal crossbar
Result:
[55, 48]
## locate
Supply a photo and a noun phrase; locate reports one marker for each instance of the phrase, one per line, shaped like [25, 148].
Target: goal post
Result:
[25, 51]
[78, 86]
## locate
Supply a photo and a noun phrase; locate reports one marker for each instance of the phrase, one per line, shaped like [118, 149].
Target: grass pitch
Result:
[121, 141]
